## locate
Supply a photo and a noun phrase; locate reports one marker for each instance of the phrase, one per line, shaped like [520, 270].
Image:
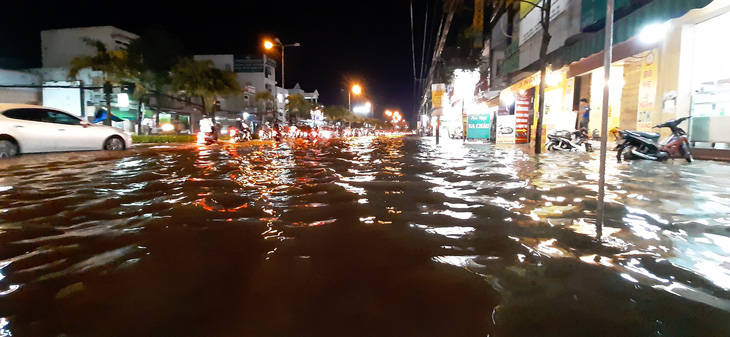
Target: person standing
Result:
[585, 113]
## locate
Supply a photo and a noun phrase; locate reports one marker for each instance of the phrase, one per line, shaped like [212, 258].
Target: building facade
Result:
[60, 46]
[254, 75]
[676, 73]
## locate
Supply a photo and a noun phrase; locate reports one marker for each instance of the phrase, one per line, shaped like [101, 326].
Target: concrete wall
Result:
[60, 46]
[19, 95]
[224, 62]
[630, 94]
[676, 61]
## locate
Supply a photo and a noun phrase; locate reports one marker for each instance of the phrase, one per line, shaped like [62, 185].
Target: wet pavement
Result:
[389, 236]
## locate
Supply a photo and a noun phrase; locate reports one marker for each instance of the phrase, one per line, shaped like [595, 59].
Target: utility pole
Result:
[607, 56]
[545, 21]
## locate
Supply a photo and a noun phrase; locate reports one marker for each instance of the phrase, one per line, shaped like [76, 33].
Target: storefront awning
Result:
[624, 29]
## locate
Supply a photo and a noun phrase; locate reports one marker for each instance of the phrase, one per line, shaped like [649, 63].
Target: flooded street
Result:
[387, 236]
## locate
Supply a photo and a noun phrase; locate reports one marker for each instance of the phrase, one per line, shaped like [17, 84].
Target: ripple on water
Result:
[325, 238]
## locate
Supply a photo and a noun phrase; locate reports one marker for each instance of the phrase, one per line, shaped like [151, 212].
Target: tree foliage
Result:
[337, 113]
[201, 79]
[152, 58]
[266, 97]
[298, 107]
[112, 63]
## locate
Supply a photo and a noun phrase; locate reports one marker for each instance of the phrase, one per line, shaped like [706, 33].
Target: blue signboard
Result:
[478, 126]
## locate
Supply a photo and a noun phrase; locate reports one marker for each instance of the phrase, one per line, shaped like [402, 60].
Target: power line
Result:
[413, 44]
[431, 39]
[423, 48]
[437, 52]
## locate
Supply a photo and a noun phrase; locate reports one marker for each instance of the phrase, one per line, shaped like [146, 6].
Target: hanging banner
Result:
[530, 23]
[479, 126]
[437, 94]
[526, 6]
[522, 118]
[647, 91]
[478, 24]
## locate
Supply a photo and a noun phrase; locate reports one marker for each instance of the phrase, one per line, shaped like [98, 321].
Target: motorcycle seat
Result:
[650, 135]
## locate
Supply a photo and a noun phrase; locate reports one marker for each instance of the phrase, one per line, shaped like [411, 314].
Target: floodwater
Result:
[389, 236]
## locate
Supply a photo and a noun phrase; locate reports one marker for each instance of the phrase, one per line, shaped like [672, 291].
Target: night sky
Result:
[367, 41]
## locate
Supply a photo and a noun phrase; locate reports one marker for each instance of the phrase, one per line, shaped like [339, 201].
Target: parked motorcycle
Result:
[563, 141]
[644, 145]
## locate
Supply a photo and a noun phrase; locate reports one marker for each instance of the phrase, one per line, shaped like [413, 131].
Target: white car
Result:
[32, 129]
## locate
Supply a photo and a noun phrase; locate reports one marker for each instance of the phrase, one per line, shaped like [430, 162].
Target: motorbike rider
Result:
[266, 130]
[277, 131]
[238, 125]
[206, 125]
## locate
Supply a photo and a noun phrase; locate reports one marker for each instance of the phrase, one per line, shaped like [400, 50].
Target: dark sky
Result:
[365, 41]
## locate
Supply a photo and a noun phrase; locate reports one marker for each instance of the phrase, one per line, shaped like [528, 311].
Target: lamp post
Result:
[357, 90]
[269, 45]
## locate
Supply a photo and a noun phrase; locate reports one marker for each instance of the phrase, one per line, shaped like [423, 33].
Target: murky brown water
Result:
[360, 237]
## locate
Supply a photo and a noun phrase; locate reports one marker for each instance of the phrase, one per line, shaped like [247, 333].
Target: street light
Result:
[269, 45]
[357, 90]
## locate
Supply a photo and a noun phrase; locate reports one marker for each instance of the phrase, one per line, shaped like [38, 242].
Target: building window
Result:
[228, 67]
[267, 71]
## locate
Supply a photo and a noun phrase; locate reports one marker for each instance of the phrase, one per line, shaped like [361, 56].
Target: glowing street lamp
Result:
[388, 113]
[357, 90]
[268, 44]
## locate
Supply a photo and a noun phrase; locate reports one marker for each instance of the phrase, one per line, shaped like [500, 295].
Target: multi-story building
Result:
[254, 75]
[676, 71]
[312, 97]
[60, 46]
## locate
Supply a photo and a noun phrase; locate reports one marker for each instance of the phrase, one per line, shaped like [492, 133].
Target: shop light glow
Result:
[552, 79]
[361, 109]
[465, 81]
[654, 32]
[508, 99]
[122, 100]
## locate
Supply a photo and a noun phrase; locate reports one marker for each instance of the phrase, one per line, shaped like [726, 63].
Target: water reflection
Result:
[361, 236]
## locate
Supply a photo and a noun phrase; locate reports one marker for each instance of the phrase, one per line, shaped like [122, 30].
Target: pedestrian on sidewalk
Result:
[585, 113]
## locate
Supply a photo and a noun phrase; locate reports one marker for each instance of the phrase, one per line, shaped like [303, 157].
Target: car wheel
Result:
[114, 144]
[8, 149]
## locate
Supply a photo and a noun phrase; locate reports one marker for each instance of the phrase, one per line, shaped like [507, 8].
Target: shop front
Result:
[710, 91]
[516, 110]
[520, 102]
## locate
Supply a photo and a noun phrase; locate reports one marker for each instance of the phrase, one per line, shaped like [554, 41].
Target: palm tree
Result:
[201, 79]
[268, 100]
[298, 107]
[151, 58]
[336, 113]
[113, 65]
